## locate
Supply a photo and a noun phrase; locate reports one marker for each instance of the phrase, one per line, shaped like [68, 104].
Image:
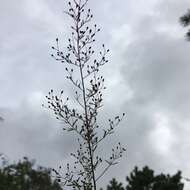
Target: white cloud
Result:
[35, 100]
[43, 16]
[162, 136]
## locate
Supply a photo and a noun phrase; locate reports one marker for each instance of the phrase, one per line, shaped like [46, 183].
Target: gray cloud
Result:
[155, 67]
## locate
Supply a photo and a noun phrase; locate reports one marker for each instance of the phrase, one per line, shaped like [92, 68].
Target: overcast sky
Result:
[147, 77]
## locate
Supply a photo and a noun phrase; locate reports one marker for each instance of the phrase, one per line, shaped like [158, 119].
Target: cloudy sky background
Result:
[147, 77]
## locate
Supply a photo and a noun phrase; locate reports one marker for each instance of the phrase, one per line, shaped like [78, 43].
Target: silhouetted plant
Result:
[82, 68]
[185, 21]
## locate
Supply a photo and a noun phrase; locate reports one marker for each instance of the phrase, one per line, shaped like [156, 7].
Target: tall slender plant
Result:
[83, 71]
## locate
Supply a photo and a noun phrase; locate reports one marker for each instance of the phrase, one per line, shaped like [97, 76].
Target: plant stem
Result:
[84, 99]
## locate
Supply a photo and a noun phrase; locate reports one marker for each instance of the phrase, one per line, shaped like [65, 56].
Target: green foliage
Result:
[114, 185]
[140, 179]
[23, 176]
[185, 21]
[146, 180]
